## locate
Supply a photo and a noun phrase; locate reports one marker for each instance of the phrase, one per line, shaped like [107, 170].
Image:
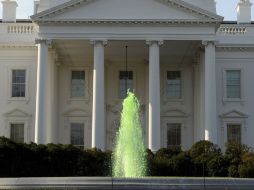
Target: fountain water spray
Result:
[129, 157]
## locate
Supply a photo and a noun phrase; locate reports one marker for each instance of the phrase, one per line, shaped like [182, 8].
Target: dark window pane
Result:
[125, 82]
[173, 135]
[174, 86]
[234, 133]
[126, 74]
[77, 135]
[18, 83]
[233, 80]
[17, 132]
[78, 84]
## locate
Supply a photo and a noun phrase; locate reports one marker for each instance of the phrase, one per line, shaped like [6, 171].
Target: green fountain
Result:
[129, 157]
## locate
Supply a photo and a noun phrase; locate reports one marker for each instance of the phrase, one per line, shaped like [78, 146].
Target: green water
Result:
[130, 152]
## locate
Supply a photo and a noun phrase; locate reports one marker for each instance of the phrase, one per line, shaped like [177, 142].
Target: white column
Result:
[154, 95]
[42, 119]
[210, 120]
[52, 127]
[196, 100]
[98, 117]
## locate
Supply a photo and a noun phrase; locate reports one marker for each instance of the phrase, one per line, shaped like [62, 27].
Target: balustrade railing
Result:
[20, 28]
[233, 30]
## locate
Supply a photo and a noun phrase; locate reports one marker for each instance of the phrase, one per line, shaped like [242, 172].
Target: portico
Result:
[183, 41]
[103, 70]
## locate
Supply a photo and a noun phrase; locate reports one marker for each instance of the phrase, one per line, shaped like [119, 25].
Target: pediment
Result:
[17, 113]
[76, 112]
[176, 113]
[233, 114]
[129, 11]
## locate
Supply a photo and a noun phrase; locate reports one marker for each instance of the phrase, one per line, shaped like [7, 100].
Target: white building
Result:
[62, 73]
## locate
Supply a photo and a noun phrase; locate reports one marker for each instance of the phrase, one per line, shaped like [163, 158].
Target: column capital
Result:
[209, 42]
[150, 42]
[103, 42]
[48, 42]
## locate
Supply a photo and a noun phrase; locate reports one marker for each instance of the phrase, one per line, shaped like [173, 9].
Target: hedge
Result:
[204, 158]
[31, 160]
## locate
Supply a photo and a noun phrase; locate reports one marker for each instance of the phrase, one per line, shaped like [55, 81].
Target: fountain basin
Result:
[107, 183]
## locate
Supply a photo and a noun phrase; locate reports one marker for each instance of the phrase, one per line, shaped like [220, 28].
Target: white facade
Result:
[62, 72]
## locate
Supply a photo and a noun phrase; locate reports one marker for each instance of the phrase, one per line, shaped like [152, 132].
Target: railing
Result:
[26, 28]
[17, 33]
[233, 30]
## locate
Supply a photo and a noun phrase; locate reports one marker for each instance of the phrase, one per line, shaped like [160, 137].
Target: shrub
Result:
[206, 157]
[162, 167]
[246, 169]
[161, 164]
[32, 160]
[182, 165]
[167, 152]
[11, 158]
[171, 162]
[233, 171]
[203, 151]
[217, 167]
[233, 155]
[150, 163]
[23, 160]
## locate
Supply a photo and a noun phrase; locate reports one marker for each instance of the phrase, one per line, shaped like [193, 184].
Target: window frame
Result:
[166, 98]
[86, 97]
[232, 121]
[225, 96]
[10, 71]
[129, 70]
[118, 80]
[83, 123]
[173, 119]
[69, 119]
[181, 128]
[18, 123]
[25, 121]
[18, 83]
[239, 124]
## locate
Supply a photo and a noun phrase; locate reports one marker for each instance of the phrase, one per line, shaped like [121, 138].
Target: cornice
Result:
[233, 114]
[76, 112]
[17, 46]
[130, 22]
[175, 113]
[17, 113]
[235, 47]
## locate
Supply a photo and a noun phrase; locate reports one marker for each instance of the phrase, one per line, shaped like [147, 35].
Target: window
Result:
[174, 86]
[77, 135]
[18, 83]
[234, 133]
[173, 135]
[78, 84]
[233, 84]
[17, 132]
[126, 80]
